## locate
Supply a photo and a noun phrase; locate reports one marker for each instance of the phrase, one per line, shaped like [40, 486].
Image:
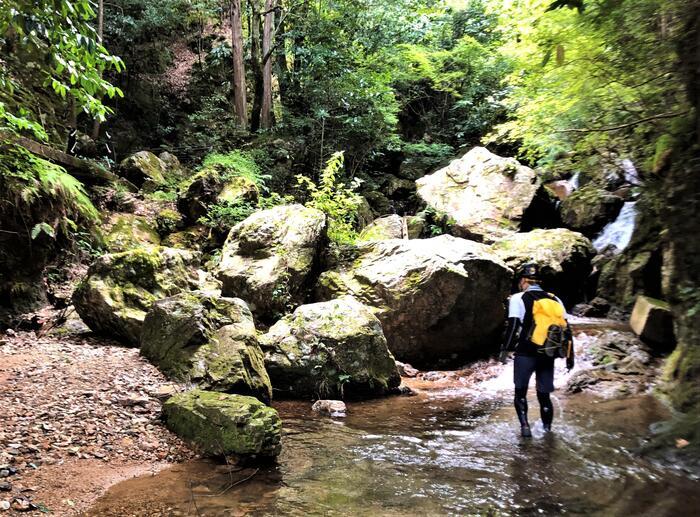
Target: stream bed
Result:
[451, 449]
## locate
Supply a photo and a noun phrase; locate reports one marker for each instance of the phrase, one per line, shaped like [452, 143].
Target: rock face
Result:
[212, 185]
[329, 349]
[144, 169]
[229, 425]
[589, 209]
[202, 338]
[121, 288]
[438, 299]
[268, 258]
[389, 227]
[652, 321]
[564, 258]
[486, 195]
[129, 231]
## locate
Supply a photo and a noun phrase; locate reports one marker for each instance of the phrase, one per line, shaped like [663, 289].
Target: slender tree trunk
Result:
[100, 31]
[239, 90]
[256, 64]
[282, 70]
[266, 108]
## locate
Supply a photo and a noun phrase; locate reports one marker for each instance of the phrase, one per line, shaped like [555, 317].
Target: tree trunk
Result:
[100, 31]
[239, 89]
[256, 64]
[266, 108]
[282, 70]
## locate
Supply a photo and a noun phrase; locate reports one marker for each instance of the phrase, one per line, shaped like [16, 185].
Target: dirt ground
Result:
[77, 415]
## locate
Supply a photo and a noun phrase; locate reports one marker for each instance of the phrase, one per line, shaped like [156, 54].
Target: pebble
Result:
[4, 505]
[5, 487]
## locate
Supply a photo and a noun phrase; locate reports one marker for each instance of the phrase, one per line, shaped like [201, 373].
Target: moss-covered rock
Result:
[388, 227]
[564, 258]
[167, 221]
[129, 231]
[486, 195]
[203, 338]
[175, 171]
[329, 349]
[197, 237]
[439, 299]
[214, 184]
[228, 425]
[120, 288]
[267, 258]
[589, 209]
[144, 169]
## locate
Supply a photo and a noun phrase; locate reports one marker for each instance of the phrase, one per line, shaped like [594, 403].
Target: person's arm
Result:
[516, 313]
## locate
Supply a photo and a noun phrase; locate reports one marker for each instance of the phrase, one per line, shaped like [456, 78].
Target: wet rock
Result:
[214, 184]
[438, 299]
[208, 340]
[486, 195]
[589, 209]
[120, 288]
[335, 408]
[329, 349]
[406, 370]
[222, 424]
[388, 227]
[267, 259]
[5, 487]
[596, 308]
[620, 364]
[564, 258]
[144, 169]
[129, 231]
[652, 321]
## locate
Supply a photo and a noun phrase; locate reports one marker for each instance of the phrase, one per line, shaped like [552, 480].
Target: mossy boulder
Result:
[564, 258]
[388, 227]
[439, 299]
[129, 231]
[174, 169]
[197, 237]
[589, 209]
[167, 221]
[144, 169]
[206, 339]
[485, 195]
[120, 288]
[329, 349]
[268, 258]
[214, 184]
[225, 425]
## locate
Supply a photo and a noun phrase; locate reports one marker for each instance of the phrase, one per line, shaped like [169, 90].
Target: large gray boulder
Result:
[120, 288]
[329, 349]
[387, 227]
[564, 258]
[652, 321]
[228, 425]
[206, 339]
[485, 195]
[267, 259]
[128, 231]
[437, 299]
[144, 169]
[589, 209]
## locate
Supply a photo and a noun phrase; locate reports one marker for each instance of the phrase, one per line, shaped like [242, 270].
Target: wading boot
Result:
[525, 431]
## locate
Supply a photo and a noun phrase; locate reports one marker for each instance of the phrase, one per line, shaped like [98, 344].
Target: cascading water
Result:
[574, 182]
[619, 232]
[631, 174]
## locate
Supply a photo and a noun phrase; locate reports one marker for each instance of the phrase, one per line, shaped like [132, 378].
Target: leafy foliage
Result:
[236, 164]
[338, 201]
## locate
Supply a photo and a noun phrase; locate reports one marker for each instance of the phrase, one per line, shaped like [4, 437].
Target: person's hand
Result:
[503, 357]
[569, 364]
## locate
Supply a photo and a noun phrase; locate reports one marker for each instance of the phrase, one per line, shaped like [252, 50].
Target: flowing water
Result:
[452, 449]
[619, 232]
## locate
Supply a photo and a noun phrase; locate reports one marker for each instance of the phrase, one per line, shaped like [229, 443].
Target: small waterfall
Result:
[631, 174]
[574, 181]
[619, 232]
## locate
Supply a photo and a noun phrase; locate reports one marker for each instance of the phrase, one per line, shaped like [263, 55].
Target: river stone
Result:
[329, 349]
[221, 424]
[564, 258]
[388, 227]
[485, 195]
[335, 408]
[268, 258]
[206, 339]
[120, 288]
[211, 185]
[438, 299]
[589, 209]
[129, 231]
[652, 321]
[174, 169]
[144, 169]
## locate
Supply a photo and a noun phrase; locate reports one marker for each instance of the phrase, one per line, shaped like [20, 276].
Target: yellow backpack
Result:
[549, 328]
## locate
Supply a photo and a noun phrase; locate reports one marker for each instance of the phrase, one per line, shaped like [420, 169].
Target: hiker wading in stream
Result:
[538, 333]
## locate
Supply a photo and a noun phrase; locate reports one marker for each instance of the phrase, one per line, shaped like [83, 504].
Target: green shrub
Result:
[338, 201]
[226, 214]
[235, 164]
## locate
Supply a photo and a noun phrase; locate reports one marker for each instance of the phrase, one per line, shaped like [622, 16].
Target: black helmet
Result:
[530, 271]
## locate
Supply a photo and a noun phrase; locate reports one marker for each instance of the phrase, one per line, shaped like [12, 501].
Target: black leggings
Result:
[546, 408]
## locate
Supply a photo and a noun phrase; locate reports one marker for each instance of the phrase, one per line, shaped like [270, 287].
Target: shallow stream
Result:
[453, 448]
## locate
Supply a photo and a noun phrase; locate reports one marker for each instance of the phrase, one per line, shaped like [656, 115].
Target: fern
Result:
[236, 164]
